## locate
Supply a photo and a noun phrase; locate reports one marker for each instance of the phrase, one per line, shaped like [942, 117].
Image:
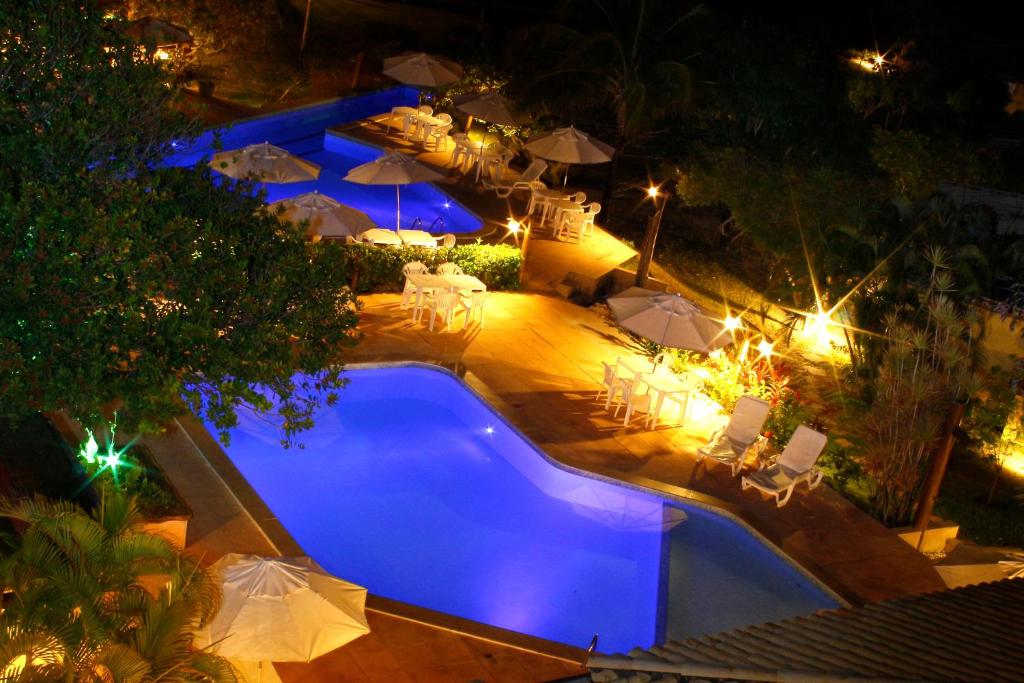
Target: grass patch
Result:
[964, 499]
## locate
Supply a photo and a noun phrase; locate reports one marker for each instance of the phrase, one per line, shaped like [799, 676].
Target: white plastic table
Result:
[428, 282]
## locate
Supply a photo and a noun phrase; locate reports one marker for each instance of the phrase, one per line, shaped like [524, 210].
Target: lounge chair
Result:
[730, 444]
[528, 180]
[796, 464]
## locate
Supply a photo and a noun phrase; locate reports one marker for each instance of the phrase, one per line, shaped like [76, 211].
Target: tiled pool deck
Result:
[538, 360]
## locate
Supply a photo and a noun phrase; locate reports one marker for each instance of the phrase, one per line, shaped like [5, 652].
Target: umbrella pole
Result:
[398, 208]
[565, 181]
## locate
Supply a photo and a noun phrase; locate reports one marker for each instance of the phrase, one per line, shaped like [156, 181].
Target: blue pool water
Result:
[303, 131]
[415, 488]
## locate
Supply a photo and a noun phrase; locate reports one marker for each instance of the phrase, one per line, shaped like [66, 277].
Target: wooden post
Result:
[305, 26]
[469, 124]
[937, 471]
[522, 258]
[360, 57]
[643, 266]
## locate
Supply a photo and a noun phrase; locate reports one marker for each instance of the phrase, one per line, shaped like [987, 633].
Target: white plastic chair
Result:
[527, 180]
[796, 464]
[460, 155]
[729, 444]
[637, 398]
[438, 140]
[447, 240]
[444, 118]
[574, 226]
[449, 269]
[474, 303]
[444, 304]
[398, 112]
[426, 109]
[409, 290]
[611, 386]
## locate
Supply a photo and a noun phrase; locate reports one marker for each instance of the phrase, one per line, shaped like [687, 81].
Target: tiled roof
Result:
[975, 633]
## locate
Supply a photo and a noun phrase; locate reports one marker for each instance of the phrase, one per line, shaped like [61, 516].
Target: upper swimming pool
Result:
[415, 488]
[303, 131]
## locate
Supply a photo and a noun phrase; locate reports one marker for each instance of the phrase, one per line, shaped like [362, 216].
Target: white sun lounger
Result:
[528, 180]
[796, 464]
[730, 444]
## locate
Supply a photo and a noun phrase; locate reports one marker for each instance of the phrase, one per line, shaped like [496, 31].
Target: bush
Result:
[373, 268]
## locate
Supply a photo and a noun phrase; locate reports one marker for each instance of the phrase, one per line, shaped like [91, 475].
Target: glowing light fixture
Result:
[489, 430]
[513, 225]
[162, 54]
[652, 191]
[765, 348]
[88, 450]
[447, 205]
[732, 324]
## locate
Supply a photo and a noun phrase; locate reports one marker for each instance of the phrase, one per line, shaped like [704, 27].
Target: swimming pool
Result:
[417, 489]
[303, 131]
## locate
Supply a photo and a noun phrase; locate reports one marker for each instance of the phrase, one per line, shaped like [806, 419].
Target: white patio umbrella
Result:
[570, 146]
[282, 609]
[419, 68]
[395, 169]
[668, 320]
[265, 162]
[489, 106]
[327, 217]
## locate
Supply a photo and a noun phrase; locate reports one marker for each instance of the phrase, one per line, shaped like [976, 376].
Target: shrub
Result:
[373, 267]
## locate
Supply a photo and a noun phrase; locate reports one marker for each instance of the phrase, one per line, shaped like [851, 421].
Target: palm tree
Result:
[631, 68]
[77, 608]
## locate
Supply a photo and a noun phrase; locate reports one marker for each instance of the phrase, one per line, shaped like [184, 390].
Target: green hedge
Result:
[373, 267]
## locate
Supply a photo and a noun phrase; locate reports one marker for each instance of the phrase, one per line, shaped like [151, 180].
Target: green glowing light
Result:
[88, 450]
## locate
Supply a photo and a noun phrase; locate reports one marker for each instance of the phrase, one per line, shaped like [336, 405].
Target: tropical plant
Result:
[928, 363]
[128, 280]
[78, 607]
[632, 67]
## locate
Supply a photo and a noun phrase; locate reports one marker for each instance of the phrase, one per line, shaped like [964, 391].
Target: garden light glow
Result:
[732, 324]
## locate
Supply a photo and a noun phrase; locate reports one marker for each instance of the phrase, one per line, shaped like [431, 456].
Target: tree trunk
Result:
[610, 183]
[643, 266]
[358, 70]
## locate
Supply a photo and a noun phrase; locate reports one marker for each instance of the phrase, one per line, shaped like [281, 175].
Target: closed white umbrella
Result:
[668, 320]
[265, 162]
[419, 68]
[570, 146]
[327, 217]
[283, 609]
[395, 169]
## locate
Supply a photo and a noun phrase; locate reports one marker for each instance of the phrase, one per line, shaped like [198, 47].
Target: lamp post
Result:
[514, 228]
[643, 267]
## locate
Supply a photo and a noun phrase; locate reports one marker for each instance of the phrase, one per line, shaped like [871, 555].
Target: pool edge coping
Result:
[282, 540]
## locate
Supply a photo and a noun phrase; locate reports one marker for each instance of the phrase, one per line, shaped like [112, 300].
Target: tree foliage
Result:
[128, 281]
[78, 609]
